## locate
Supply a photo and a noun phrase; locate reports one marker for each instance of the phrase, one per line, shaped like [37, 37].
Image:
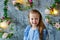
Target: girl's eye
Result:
[31, 18]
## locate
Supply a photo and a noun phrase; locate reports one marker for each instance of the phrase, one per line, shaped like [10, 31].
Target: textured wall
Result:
[21, 20]
[1, 8]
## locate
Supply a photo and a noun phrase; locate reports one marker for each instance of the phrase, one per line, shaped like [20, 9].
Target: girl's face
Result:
[34, 19]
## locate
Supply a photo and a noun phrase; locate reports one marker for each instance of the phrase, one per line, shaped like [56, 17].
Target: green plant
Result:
[54, 5]
[57, 1]
[5, 8]
[23, 7]
[10, 35]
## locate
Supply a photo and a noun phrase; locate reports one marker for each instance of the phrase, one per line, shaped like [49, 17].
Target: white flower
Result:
[4, 35]
[47, 20]
[13, 2]
[57, 25]
[47, 11]
[16, 8]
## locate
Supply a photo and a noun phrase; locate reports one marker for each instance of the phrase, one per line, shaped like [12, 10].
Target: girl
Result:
[36, 30]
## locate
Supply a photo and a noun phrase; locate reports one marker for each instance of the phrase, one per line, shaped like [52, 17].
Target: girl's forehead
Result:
[34, 15]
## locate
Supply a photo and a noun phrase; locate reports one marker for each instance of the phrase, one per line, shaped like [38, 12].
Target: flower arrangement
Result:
[23, 4]
[53, 11]
[6, 24]
[6, 28]
[50, 20]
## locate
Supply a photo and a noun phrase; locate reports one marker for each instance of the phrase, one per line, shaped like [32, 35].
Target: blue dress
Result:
[30, 34]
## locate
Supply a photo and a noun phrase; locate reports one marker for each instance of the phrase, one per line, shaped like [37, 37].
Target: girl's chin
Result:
[34, 25]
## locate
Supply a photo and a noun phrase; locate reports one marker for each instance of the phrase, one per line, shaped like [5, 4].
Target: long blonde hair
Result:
[41, 25]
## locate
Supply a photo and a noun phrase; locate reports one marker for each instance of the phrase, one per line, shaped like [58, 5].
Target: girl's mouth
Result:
[34, 23]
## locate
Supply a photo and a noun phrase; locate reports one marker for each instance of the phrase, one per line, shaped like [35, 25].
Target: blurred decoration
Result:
[52, 12]
[5, 8]
[57, 25]
[6, 24]
[47, 11]
[6, 27]
[57, 1]
[21, 1]
[23, 4]
[54, 9]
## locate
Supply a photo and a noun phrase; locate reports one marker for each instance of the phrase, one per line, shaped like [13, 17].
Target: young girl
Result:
[36, 30]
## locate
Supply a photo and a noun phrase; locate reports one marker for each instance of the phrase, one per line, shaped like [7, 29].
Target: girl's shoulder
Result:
[27, 27]
[26, 31]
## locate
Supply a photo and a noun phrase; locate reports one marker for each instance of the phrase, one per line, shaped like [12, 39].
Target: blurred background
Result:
[18, 11]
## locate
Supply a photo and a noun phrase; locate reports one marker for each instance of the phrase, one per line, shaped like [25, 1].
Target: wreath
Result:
[23, 5]
[6, 24]
[53, 11]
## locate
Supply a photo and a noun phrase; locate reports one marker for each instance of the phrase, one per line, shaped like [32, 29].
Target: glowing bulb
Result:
[55, 12]
[4, 25]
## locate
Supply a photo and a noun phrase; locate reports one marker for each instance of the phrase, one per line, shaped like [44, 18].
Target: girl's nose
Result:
[34, 21]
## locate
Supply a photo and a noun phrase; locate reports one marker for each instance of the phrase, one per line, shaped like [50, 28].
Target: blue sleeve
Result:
[45, 33]
[26, 31]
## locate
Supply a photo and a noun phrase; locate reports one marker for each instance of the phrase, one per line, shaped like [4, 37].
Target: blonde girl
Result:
[36, 30]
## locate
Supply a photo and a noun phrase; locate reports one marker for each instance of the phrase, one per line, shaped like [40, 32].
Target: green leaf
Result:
[11, 28]
[53, 5]
[0, 20]
[59, 28]
[1, 33]
[47, 17]
[5, 2]
[10, 35]
[57, 1]
[5, 8]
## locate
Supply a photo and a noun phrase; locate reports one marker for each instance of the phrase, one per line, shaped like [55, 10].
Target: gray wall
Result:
[21, 18]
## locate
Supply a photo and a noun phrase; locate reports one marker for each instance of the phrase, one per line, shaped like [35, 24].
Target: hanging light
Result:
[55, 12]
